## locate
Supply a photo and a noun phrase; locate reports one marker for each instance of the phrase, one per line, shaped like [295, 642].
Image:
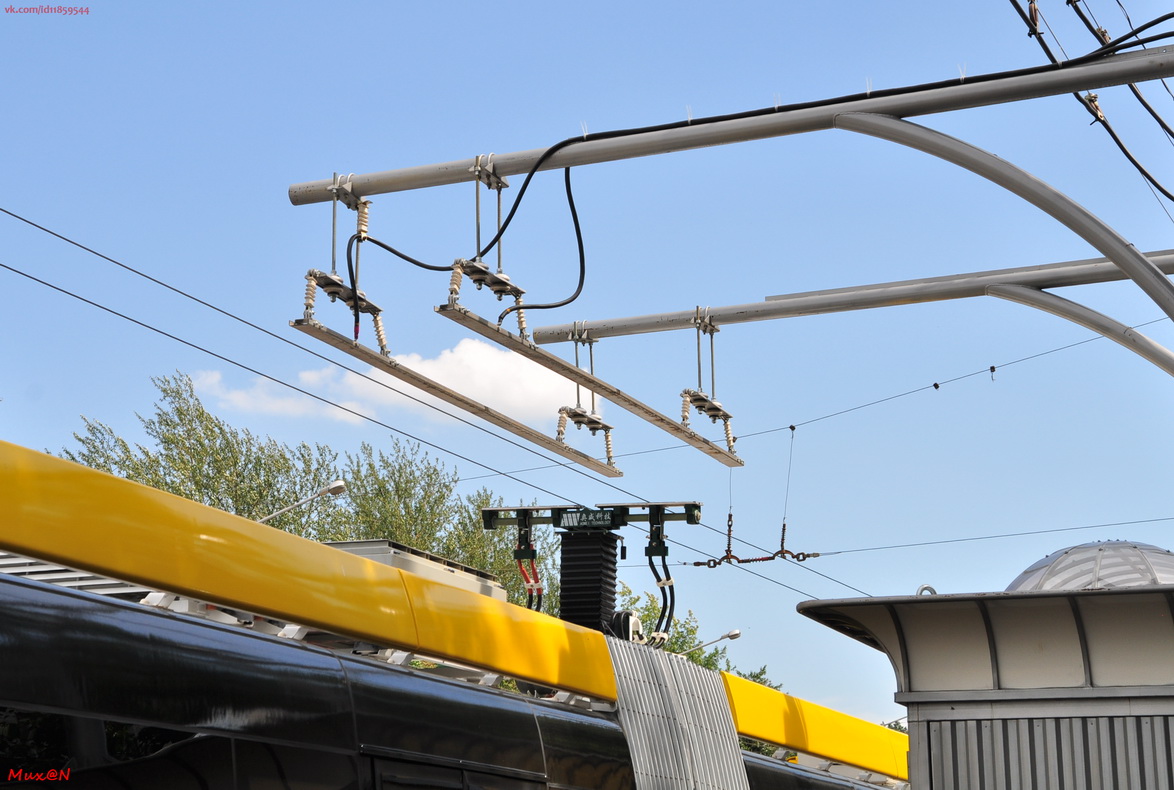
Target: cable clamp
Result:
[486, 173]
[665, 583]
[343, 191]
[704, 322]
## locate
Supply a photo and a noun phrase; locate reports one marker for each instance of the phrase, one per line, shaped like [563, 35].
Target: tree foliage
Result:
[401, 494]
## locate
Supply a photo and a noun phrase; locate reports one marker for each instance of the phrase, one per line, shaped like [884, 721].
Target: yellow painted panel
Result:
[69, 514]
[769, 715]
[62, 512]
[511, 639]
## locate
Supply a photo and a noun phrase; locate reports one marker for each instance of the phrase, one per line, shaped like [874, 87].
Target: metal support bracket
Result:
[567, 370]
[436, 389]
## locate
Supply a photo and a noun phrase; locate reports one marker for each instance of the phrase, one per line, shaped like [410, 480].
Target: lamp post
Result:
[334, 489]
[734, 634]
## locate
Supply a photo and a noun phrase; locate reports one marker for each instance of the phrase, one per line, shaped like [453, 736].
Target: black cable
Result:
[203, 303]
[995, 537]
[1088, 102]
[764, 111]
[672, 590]
[568, 465]
[276, 380]
[1121, 41]
[352, 271]
[408, 258]
[582, 260]
[664, 596]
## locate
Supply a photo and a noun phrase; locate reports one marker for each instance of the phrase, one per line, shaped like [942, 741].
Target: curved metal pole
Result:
[1090, 319]
[1075, 216]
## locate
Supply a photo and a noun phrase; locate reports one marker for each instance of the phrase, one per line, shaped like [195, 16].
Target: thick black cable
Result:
[276, 380]
[672, 591]
[1097, 115]
[1123, 41]
[664, 596]
[764, 111]
[582, 260]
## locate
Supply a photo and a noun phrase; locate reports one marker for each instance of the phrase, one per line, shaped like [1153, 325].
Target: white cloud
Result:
[500, 379]
[495, 377]
[266, 397]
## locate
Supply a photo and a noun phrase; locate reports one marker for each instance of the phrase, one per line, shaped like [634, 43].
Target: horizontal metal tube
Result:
[861, 297]
[1074, 216]
[1089, 319]
[1113, 70]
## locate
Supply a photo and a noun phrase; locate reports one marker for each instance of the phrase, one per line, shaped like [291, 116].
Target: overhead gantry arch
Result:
[1056, 204]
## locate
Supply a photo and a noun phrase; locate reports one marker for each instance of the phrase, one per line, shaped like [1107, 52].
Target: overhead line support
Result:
[1120, 69]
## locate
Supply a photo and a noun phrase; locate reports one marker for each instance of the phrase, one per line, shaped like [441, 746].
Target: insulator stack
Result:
[311, 294]
[521, 319]
[454, 283]
[364, 211]
[729, 436]
[561, 434]
[380, 335]
[607, 448]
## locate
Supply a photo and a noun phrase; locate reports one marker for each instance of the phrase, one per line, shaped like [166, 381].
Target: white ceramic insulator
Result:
[380, 335]
[454, 283]
[311, 293]
[561, 434]
[607, 448]
[729, 436]
[364, 218]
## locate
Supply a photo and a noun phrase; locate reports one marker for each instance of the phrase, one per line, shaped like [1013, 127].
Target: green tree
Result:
[199, 456]
[402, 495]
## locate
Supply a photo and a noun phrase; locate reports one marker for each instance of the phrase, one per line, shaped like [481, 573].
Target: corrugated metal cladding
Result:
[677, 720]
[1093, 753]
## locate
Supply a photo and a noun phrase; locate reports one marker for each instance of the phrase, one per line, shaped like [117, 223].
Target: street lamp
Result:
[734, 634]
[334, 489]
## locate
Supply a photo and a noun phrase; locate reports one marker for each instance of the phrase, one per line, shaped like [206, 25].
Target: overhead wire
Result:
[1089, 101]
[1108, 48]
[311, 352]
[492, 470]
[974, 538]
[268, 377]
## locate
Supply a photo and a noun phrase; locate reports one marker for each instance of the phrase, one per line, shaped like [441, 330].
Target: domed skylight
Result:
[1099, 565]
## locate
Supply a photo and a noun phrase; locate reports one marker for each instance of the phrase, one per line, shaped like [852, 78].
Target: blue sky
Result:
[165, 135]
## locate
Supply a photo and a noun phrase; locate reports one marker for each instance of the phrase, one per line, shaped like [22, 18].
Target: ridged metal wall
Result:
[1084, 753]
[677, 720]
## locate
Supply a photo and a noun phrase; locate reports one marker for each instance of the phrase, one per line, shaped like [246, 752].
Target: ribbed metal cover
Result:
[1088, 753]
[677, 719]
[1098, 565]
[587, 578]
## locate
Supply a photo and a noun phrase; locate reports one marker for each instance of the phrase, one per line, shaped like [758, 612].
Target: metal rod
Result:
[1074, 216]
[859, 297]
[974, 92]
[450, 396]
[1089, 319]
[565, 369]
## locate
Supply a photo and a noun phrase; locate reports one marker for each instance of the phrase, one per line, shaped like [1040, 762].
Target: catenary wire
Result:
[273, 379]
[321, 399]
[996, 537]
[1089, 101]
[553, 463]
